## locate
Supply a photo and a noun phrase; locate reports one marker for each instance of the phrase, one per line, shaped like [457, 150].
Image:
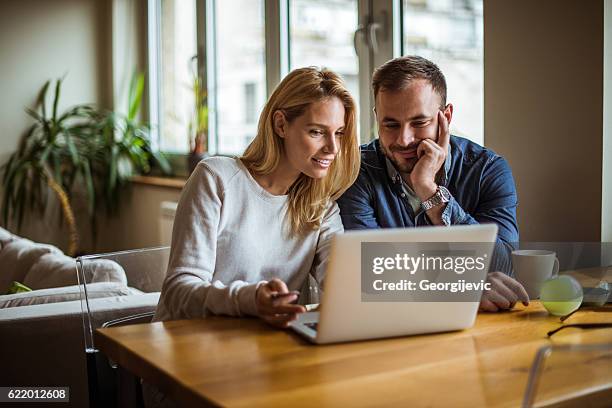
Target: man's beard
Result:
[404, 167]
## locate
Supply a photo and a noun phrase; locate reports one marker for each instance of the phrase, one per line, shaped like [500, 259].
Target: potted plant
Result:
[120, 147]
[99, 150]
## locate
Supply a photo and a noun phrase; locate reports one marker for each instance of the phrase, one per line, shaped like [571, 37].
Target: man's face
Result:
[405, 118]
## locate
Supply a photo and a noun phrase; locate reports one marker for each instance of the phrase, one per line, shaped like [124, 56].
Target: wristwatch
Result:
[441, 196]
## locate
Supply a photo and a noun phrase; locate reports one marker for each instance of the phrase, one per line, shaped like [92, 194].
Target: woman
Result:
[249, 230]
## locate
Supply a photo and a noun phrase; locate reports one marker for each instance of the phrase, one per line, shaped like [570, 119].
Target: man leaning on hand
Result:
[417, 174]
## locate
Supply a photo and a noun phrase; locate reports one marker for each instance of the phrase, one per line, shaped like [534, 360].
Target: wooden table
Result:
[243, 362]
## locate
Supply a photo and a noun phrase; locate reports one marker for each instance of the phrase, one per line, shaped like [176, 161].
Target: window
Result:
[321, 34]
[239, 58]
[250, 98]
[176, 73]
[247, 46]
[450, 33]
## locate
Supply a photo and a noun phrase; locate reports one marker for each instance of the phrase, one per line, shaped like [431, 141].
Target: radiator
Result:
[166, 220]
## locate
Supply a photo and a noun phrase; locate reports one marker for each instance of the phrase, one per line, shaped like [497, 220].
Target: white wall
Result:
[42, 39]
[138, 226]
[544, 109]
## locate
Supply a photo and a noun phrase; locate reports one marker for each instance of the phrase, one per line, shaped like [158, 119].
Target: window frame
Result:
[377, 39]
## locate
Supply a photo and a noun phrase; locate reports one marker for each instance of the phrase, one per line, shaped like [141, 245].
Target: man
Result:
[416, 174]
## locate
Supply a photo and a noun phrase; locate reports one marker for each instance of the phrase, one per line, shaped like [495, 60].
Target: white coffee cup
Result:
[532, 267]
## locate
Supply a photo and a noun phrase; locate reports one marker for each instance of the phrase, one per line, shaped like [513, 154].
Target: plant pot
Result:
[193, 159]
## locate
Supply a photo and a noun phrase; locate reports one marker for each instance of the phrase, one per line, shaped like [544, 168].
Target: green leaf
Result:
[12, 184]
[78, 112]
[112, 177]
[7, 168]
[17, 287]
[25, 139]
[45, 153]
[42, 96]
[37, 190]
[56, 166]
[135, 95]
[74, 155]
[20, 202]
[89, 184]
[161, 160]
[58, 85]
[35, 115]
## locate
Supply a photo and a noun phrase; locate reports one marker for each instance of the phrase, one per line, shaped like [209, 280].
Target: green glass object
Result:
[561, 295]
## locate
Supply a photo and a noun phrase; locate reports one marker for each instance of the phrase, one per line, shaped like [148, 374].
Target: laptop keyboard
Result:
[312, 325]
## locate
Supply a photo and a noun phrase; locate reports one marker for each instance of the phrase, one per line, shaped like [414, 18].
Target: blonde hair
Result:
[308, 197]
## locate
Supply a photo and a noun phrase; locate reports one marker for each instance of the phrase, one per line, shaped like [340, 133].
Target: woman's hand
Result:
[273, 301]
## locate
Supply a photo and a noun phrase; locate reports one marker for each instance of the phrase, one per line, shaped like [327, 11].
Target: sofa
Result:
[42, 332]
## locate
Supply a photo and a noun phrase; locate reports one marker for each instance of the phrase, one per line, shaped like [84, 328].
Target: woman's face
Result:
[313, 139]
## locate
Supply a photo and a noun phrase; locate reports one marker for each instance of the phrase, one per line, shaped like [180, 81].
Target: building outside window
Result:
[450, 33]
[177, 48]
[344, 35]
[240, 62]
[321, 34]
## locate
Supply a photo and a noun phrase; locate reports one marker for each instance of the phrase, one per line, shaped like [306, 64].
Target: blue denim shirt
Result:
[479, 180]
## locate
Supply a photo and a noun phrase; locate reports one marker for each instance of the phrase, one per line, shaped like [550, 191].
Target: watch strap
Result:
[441, 196]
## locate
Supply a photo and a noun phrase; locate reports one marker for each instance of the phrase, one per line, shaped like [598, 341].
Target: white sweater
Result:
[231, 235]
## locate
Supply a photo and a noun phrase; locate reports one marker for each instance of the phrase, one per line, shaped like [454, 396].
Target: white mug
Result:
[532, 267]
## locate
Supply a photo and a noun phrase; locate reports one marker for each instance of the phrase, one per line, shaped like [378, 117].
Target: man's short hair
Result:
[398, 73]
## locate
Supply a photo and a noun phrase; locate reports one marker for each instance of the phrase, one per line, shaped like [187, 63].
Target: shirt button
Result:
[403, 195]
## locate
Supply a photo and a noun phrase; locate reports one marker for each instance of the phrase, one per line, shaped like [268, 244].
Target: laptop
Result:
[343, 316]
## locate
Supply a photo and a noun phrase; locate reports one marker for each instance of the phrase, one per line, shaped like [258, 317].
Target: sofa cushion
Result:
[104, 270]
[56, 270]
[16, 259]
[66, 294]
[5, 237]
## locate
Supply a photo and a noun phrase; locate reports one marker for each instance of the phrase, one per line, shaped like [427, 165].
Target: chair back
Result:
[119, 284]
[116, 289]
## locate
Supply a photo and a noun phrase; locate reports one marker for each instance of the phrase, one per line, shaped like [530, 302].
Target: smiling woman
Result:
[310, 142]
[305, 117]
[251, 230]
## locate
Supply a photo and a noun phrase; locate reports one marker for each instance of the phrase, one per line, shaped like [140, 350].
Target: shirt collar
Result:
[395, 176]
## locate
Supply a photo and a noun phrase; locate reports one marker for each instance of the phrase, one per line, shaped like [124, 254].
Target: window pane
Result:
[450, 33]
[321, 34]
[241, 75]
[177, 70]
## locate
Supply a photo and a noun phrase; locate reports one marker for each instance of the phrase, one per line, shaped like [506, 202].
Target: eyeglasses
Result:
[580, 326]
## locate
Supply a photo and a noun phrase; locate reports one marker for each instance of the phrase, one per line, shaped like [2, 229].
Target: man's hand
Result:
[504, 293]
[274, 306]
[431, 155]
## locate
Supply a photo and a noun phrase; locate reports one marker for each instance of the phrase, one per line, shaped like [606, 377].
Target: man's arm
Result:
[496, 195]
[497, 204]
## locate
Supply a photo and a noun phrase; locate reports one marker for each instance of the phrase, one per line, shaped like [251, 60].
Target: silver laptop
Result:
[343, 316]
